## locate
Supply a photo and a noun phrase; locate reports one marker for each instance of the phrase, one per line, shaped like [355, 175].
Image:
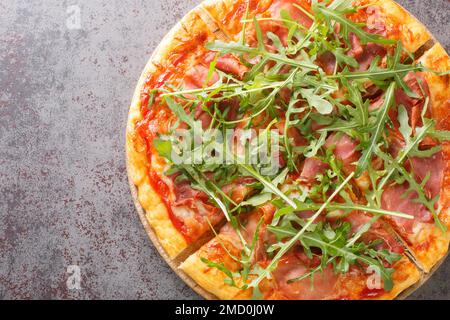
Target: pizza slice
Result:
[385, 18]
[224, 268]
[175, 211]
[425, 193]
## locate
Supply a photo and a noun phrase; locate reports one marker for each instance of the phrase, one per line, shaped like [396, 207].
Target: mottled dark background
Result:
[64, 197]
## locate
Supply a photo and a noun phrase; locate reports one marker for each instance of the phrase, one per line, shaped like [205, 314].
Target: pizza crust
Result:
[209, 278]
[438, 60]
[430, 244]
[212, 280]
[400, 24]
[406, 275]
[152, 208]
[190, 28]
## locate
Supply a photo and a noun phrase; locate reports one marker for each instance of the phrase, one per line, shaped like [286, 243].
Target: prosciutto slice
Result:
[196, 77]
[358, 219]
[291, 267]
[288, 5]
[278, 27]
[344, 150]
[369, 53]
[356, 48]
[238, 190]
[327, 62]
[311, 168]
[413, 105]
[375, 21]
[396, 198]
[434, 166]
[228, 63]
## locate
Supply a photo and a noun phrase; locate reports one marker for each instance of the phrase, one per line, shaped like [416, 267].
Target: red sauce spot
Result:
[371, 293]
[163, 190]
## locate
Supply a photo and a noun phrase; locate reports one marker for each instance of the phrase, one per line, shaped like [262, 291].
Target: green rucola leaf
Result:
[163, 147]
[379, 127]
[319, 103]
[441, 135]
[179, 111]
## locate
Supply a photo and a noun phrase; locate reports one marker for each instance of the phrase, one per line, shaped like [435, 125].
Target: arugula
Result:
[347, 26]
[379, 127]
[335, 249]
[286, 89]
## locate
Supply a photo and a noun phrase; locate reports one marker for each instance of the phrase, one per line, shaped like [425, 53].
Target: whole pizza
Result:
[282, 149]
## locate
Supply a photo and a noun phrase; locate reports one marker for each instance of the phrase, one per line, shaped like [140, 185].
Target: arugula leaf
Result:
[286, 246]
[163, 147]
[347, 26]
[441, 135]
[179, 111]
[318, 102]
[202, 185]
[334, 245]
[267, 184]
[221, 267]
[343, 59]
[315, 145]
[379, 127]
[227, 47]
[361, 111]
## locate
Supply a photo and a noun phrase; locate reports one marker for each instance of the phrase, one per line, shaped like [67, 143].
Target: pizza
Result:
[299, 149]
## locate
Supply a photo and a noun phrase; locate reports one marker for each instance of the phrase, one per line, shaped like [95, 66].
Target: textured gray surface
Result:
[64, 197]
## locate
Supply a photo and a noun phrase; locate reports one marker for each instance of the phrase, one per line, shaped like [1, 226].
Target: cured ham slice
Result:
[320, 286]
[197, 76]
[238, 190]
[375, 22]
[377, 231]
[356, 48]
[432, 166]
[413, 105]
[311, 168]
[396, 198]
[278, 27]
[344, 150]
[327, 62]
[295, 13]
[228, 63]
[369, 53]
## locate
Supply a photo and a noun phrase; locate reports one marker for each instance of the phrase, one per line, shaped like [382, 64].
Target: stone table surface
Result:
[65, 88]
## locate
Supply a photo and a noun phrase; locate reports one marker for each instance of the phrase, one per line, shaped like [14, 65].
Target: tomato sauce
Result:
[155, 118]
[371, 293]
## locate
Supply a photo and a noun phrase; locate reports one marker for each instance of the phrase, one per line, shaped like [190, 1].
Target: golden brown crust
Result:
[190, 30]
[406, 274]
[430, 244]
[212, 279]
[400, 24]
[438, 60]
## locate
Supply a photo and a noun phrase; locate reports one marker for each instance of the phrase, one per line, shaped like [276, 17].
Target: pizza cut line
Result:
[356, 205]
